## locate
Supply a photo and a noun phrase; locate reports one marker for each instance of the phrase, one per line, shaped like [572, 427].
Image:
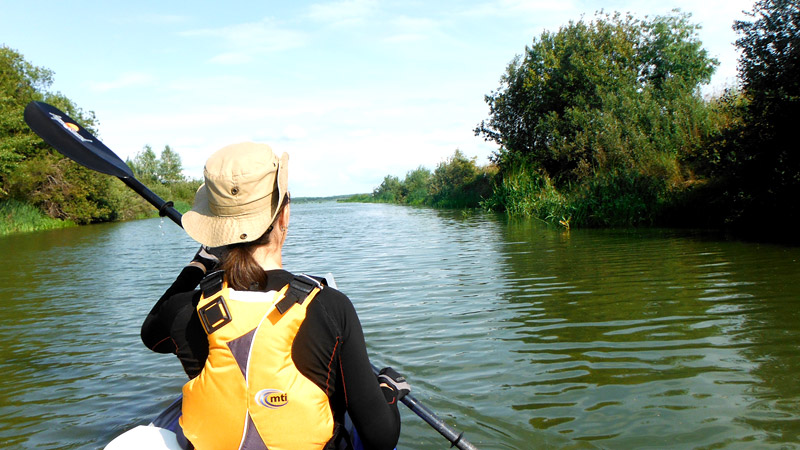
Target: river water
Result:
[520, 335]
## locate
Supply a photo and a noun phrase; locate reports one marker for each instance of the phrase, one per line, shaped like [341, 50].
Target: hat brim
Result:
[216, 231]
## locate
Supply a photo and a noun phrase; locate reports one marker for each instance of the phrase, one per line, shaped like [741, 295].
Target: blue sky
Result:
[353, 90]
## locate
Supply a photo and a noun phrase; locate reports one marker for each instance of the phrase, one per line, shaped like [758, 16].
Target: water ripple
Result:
[520, 335]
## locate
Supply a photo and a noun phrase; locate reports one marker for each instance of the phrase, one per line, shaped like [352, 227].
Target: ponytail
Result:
[242, 271]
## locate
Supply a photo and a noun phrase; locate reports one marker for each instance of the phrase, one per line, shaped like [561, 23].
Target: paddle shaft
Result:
[456, 439]
[77, 143]
[164, 208]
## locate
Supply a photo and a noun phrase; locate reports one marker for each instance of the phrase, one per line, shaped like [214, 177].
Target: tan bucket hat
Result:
[245, 184]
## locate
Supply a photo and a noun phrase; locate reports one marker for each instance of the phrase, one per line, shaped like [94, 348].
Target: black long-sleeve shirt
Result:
[331, 331]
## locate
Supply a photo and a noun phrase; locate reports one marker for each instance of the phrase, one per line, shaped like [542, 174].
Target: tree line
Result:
[457, 182]
[37, 181]
[602, 123]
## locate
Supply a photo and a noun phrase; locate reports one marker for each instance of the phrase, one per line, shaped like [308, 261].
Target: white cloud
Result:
[125, 80]
[410, 29]
[341, 13]
[161, 19]
[534, 9]
[294, 132]
[232, 58]
[245, 42]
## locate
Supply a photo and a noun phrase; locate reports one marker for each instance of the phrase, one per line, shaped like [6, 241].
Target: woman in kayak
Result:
[274, 359]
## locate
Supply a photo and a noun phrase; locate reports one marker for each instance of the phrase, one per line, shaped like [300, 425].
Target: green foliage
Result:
[357, 198]
[30, 171]
[523, 192]
[390, 190]
[170, 167]
[624, 198]
[62, 189]
[20, 83]
[614, 100]
[765, 164]
[19, 217]
[33, 173]
[770, 61]
[457, 182]
[416, 186]
[149, 168]
[145, 165]
[552, 101]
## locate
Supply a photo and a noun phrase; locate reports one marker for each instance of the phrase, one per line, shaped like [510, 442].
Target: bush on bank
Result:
[594, 121]
[602, 124]
[457, 182]
[18, 217]
[35, 175]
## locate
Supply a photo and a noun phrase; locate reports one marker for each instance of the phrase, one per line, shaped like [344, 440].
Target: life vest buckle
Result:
[299, 288]
[214, 315]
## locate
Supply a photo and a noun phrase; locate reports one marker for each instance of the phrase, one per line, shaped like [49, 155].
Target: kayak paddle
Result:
[75, 142]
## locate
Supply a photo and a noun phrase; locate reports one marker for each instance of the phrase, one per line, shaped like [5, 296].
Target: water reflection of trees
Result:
[633, 336]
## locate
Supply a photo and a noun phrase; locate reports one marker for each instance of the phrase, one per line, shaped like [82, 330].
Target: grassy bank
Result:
[19, 217]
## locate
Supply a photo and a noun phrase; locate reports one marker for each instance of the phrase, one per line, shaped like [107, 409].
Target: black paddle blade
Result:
[72, 140]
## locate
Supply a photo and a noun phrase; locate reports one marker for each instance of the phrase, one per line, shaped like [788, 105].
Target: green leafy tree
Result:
[64, 190]
[20, 83]
[453, 175]
[553, 100]
[170, 168]
[416, 186]
[602, 109]
[145, 165]
[390, 190]
[152, 169]
[31, 171]
[766, 162]
[458, 182]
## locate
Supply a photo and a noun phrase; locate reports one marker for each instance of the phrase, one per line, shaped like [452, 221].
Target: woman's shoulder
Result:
[327, 293]
[334, 297]
[335, 307]
[329, 299]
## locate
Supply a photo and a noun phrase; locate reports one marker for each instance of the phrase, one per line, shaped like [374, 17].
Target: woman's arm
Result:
[158, 323]
[373, 409]
[173, 326]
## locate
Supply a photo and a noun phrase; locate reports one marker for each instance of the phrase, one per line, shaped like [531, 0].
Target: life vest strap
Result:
[212, 283]
[299, 288]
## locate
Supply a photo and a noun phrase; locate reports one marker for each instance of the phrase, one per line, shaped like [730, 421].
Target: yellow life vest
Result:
[249, 394]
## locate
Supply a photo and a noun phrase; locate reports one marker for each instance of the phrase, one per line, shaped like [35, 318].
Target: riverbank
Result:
[20, 217]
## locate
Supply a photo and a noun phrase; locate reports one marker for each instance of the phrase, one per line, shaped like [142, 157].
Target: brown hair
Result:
[242, 271]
